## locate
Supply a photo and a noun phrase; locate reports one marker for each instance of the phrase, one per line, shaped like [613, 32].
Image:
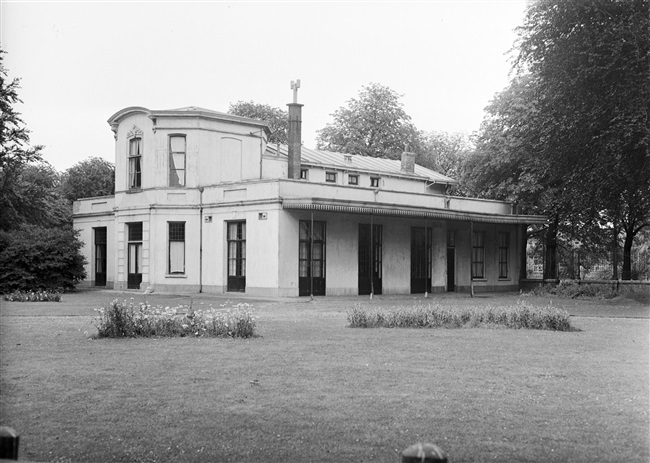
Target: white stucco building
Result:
[203, 203]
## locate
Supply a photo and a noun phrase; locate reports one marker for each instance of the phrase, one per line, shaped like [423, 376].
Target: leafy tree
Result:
[38, 247]
[15, 151]
[569, 137]
[374, 124]
[35, 257]
[90, 177]
[592, 60]
[445, 152]
[277, 118]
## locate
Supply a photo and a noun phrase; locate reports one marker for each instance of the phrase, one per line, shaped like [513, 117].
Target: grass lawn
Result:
[312, 389]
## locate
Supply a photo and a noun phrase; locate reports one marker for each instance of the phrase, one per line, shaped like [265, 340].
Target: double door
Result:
[370, 258]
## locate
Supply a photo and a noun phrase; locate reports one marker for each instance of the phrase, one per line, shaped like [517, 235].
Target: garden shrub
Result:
[522, 315]
[34, 296]
[128, 319]
[39, 258]
[571, 289]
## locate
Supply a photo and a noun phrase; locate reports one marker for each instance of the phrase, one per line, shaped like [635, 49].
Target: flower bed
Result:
[522, 315]
[128, 319]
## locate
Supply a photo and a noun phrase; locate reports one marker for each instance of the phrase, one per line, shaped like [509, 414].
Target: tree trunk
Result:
[615, 232]
[550, 253]
[626, 274]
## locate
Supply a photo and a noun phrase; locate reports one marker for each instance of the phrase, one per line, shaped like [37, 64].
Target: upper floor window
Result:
[135, 163]
[353, 179]
[374, 182]
[177, 160]
[304, 174]
[330, 177]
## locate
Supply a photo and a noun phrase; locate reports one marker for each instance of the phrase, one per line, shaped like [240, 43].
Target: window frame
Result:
[304, 174]
[356, 179]
[134, 160]
[182, 182]
[375, 182]
[330, 177]
[504, 255]
[478, 255]
[172, 238]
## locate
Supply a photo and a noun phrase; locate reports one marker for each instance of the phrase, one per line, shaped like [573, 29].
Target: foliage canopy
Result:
[373, 124]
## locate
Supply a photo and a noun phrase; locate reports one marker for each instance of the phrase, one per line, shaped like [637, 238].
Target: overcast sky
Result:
[80, 62]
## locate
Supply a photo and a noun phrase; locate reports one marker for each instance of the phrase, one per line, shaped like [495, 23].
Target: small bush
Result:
[34, 296]
[127, 319]
[570, 289]
[522, 315]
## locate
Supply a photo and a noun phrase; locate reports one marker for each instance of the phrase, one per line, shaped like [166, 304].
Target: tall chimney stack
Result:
[295, 132]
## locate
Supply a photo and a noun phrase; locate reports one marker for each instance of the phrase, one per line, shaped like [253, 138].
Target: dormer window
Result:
[135, 163]
[330, 177]
[374, 182]
[177, 160]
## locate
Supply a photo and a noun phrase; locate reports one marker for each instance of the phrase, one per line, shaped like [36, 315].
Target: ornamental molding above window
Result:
[134, 132]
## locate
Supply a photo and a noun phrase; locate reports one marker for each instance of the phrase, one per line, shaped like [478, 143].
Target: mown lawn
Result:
[312, 389]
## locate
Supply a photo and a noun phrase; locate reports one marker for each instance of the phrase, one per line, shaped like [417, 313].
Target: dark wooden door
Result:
[421, 240]
[451, 269]
[100, 256]
[370, 259]
[311, 258]
[237, 256]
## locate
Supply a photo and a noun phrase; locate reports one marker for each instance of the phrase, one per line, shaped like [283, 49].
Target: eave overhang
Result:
[383, 209]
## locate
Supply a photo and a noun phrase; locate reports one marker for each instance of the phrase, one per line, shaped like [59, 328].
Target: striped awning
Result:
[330, 205]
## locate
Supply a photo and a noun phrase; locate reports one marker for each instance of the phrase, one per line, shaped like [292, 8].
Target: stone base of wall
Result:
[489, 289]
[90, 284]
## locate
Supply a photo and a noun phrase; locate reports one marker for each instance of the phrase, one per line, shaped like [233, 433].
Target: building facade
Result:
[203, 203]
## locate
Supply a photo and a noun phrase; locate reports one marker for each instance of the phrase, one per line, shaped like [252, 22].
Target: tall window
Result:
[177, 160]
[176, 247]
[478, 255]
[311, 258]
[504, 247]
[135, 163]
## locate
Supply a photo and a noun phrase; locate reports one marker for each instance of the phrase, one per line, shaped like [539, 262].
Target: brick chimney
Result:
[294, 134]
[408, 162]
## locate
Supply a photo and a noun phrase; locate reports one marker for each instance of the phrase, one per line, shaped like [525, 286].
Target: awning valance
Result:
[330, 205]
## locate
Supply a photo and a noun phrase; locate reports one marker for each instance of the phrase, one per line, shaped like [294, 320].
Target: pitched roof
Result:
[355, 162]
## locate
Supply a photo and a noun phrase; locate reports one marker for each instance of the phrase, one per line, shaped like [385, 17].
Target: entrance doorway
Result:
[421, 244]
[311, 258]
[370, 258]
[451, 260]
[237, 256]
[134, 277]
[100, 256]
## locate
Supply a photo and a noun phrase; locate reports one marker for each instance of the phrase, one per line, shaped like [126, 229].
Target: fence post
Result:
[424, 453]
[8, 443]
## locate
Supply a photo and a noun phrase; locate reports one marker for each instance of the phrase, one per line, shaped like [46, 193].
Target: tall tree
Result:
[15, 150]
[445, 152]
[374, 124]
[592, 60]
[91, 177]
[277, 118]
